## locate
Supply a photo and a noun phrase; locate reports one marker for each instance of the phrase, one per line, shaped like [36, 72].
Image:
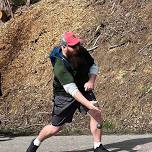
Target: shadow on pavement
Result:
[127, 145]
[5, 138]
[86, 150]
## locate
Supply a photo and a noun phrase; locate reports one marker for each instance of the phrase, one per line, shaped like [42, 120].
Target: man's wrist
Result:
[92, 78]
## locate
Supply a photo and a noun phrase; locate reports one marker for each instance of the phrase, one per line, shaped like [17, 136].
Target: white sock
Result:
[37, 142]
[96, 144]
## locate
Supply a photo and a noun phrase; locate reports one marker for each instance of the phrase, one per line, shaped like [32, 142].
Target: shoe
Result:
[32, 147]
[101, 149]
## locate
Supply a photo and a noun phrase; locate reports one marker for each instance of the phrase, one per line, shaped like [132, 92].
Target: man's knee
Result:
[56, 128]
[49, 131]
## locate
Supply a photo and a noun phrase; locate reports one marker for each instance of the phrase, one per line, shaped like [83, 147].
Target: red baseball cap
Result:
[71, 39]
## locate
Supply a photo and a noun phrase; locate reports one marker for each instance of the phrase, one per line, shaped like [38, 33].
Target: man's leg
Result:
[95, 119]
[45, 133]
[48, 131]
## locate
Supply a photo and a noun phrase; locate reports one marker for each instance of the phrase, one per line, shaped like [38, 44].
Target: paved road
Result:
[123, 143]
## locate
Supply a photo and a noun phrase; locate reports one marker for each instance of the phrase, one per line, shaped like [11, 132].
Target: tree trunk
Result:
[2, 5]
[9, 3]
[28, 3]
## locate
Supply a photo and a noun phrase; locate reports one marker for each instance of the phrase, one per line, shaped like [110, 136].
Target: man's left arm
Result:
[93, 72]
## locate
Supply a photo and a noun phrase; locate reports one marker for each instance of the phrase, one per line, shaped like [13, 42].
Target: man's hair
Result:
[63, 41]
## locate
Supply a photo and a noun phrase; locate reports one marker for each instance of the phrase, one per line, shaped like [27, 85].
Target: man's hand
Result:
[94, 108]
[89, 104]
[89, 86]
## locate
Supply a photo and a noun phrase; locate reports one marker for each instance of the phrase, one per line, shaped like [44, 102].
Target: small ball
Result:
[99, 126]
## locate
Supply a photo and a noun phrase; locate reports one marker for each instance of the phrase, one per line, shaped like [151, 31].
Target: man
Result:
[74, 79]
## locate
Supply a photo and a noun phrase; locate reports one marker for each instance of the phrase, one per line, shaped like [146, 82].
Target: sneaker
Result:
[32, 147]
[101, 149]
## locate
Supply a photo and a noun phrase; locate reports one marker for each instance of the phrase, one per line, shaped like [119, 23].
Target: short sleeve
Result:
[62, 74]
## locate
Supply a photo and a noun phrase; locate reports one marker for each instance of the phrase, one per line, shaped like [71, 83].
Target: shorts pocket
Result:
[61, 104]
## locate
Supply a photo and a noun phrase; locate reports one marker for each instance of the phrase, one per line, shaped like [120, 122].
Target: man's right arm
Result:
[80, 98]
[73, 90]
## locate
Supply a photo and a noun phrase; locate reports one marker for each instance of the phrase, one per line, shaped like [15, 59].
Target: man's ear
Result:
[64, 47]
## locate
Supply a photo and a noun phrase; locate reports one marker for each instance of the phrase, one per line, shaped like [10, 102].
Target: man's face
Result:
[73, 50]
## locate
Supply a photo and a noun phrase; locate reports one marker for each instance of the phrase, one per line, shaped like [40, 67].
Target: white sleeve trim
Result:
[71, 88]
[94, 69]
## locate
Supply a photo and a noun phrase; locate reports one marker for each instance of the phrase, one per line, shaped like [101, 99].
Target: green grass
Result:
[16, 132]
[108, 126]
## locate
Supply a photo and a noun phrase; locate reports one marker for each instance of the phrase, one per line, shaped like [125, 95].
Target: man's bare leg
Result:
[45, 133]
[48, 131]
[95, 119]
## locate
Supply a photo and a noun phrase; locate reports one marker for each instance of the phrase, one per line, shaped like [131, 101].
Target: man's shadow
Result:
[127, 145]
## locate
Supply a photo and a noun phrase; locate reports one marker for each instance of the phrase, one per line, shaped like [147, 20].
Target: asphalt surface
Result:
[114, 143]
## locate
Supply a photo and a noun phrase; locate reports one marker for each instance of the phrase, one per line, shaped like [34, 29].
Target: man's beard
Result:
[76, 60]
[70, 54]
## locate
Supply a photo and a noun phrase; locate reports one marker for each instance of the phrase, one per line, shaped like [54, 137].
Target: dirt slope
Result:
[124, 84]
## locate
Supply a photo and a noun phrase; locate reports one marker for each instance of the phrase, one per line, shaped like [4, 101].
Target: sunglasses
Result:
[75, 46]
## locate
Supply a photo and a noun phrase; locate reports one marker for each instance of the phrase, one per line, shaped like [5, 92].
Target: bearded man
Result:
[75, 73]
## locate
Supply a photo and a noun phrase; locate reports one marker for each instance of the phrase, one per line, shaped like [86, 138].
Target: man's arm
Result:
[92, 77]
[80, 98]
[72, 89]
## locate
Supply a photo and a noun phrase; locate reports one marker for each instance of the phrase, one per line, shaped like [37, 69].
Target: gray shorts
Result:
[65, 106]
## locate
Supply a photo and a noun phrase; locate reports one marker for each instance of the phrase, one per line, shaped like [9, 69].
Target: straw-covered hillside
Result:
[122, 31]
